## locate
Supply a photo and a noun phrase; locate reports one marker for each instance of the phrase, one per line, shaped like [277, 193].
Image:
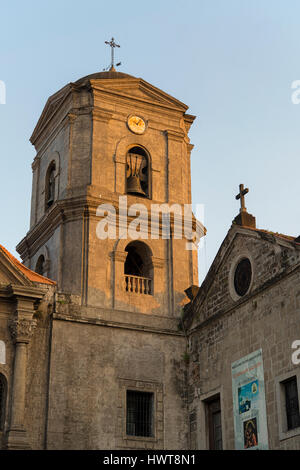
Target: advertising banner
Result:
[249, 404]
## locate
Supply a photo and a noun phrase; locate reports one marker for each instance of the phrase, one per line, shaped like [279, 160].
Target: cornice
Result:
[70, 116]
[50, 111]
[156, 97]
[122, 325]
[223, 253]
[52, 107]
[118, 256]
[267, 236]
[141, 107]
[177, 136]
[101, 115]
[28, 292]
[247, 299]
[72, 209]
[36, 163]
[41, 232]
[188, 121]
[158, 262]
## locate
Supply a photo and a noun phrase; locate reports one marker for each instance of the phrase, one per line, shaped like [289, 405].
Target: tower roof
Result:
[111, 74]
[125, 85]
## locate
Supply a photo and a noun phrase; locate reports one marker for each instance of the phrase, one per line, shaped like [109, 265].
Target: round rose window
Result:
[242, 277]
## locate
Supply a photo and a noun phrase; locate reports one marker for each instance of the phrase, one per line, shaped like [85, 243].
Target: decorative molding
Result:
[118, 256]
[138, 442]
[36, 162]
[120, 89]
[143, 328]
[177, 136]
[72, 117]
[101, 115]
[158, 262]
[73, 209]
[188, 121]
[28, 292]
[53, 107]
[22, 329]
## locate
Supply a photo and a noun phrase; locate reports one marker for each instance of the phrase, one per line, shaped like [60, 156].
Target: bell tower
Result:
[111, 139]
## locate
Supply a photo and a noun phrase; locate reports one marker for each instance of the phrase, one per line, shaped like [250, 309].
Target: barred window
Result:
[3, 390]
[292, 403]
[139, 416]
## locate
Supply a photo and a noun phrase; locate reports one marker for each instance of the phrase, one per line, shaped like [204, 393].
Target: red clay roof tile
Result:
[31, 275]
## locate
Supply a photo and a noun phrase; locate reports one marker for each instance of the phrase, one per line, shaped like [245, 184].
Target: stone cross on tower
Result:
[112, 44]
[241, 196]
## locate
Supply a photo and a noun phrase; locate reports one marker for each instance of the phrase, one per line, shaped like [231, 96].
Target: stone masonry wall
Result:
[225, 331]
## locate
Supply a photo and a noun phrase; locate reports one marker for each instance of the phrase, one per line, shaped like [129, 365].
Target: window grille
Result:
[139, 419]
[292, 403]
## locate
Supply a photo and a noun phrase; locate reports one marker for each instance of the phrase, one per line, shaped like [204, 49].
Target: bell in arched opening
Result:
[137, 172]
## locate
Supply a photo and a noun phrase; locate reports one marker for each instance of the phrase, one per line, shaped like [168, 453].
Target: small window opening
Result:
[139, 418]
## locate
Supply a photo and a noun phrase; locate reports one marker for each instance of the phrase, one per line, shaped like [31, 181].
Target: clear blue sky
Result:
[231, 61]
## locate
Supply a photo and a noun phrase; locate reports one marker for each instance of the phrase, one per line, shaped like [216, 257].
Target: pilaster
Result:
[22, 326]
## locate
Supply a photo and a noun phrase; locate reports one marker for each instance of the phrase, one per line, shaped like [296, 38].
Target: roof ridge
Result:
[276, 234]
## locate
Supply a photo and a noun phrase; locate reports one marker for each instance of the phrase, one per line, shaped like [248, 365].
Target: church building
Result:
[244, 342]
[106, 340]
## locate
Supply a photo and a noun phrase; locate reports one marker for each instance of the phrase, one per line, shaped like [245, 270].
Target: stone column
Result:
[21, 330]
[118, 292]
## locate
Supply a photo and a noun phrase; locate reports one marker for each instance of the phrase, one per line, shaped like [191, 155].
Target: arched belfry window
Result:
[50, 186]
[40, 265]
[3, 394]
[138, 268]
[138, 172]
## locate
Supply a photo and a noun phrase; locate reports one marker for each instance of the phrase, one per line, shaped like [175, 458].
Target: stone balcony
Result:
[138, 284]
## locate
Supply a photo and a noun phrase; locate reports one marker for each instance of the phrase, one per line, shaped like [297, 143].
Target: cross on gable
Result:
[241, 196]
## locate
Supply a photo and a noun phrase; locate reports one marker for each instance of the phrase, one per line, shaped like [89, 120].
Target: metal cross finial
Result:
[112, 44]
[241, 196]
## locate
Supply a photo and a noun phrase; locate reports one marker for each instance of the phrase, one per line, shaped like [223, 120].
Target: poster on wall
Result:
[249, 403]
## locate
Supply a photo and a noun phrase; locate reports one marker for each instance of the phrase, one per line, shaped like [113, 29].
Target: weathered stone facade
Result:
[106, 333]
[224, 327]
[25, 303]
[71, 348]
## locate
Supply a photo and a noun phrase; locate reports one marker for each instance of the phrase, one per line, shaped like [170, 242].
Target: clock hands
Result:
[137, 124]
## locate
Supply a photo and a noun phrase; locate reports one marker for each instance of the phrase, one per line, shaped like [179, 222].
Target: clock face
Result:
[136, 124]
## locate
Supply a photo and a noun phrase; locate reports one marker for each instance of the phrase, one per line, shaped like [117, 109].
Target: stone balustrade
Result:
[138, 284]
